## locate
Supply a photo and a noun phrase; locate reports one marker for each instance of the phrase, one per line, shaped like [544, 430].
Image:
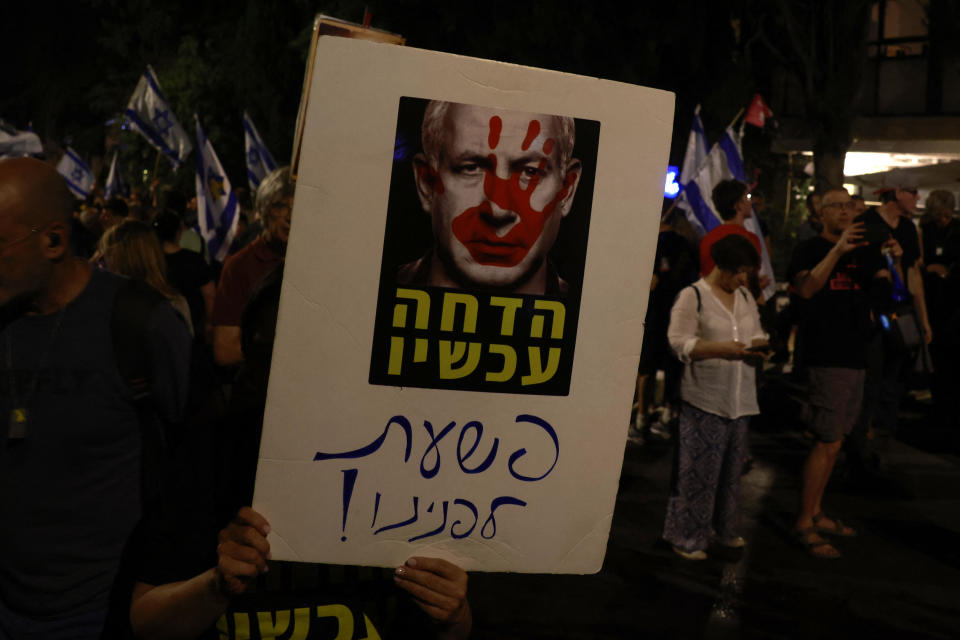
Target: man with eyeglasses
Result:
[243, 271]
[70, 429]
[890, 360]
[834, 272]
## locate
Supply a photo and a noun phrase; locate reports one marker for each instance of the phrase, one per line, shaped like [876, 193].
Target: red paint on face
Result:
[533, 130]
[477, 227]
[496, 125]
[548, 146]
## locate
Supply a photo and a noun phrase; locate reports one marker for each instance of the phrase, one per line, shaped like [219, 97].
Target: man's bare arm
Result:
[178, 609]
[226, 345]
[808, 283]
[915, 286]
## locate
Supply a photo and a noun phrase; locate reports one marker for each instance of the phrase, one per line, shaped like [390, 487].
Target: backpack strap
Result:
[129, 329]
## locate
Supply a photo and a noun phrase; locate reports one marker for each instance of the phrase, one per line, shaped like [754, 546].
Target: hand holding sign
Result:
[440, 589]
[243, 552]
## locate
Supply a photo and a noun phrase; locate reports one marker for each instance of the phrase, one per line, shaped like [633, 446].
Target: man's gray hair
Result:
[274, 189]
[941, 200]
[431, 135]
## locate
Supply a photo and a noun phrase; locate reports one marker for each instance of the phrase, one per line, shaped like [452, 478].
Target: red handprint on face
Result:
[478, 228]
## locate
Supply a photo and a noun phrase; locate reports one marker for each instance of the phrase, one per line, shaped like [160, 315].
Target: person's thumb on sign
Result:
[243, 551]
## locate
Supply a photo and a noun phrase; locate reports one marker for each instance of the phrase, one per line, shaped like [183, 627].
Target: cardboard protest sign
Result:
[330, 26]
[461, 314]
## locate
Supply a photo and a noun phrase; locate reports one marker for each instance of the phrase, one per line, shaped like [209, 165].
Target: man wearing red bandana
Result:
[496, 184]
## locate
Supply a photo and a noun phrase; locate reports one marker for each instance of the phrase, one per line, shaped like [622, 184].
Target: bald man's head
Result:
[35, 215]
[34, 192]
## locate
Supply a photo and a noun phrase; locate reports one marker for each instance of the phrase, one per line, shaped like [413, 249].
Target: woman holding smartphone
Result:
[715, 331]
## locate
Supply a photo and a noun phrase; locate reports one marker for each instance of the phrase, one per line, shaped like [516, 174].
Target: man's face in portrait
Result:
[497, 184]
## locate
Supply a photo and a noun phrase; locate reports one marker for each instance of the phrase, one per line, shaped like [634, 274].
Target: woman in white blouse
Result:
[715, 330]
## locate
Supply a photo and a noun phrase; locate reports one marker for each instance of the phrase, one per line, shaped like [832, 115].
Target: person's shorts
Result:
[834, 399]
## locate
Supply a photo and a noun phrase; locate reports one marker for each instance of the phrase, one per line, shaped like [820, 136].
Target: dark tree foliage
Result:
[76, 65]
[823, 43]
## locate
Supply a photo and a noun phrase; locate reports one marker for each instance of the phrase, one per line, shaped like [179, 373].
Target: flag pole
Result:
[736, 117]
[670, 210]
[156, 164]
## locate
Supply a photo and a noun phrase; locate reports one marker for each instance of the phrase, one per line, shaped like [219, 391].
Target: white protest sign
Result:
[460, 325]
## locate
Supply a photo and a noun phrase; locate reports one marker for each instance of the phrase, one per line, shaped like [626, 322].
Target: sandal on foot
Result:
[697, 554]
[837, 528]
[815, 545]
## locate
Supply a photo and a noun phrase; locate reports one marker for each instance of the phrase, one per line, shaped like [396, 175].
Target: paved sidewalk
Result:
[899, 578]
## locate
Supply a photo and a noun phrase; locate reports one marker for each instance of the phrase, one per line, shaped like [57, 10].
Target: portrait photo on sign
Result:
[484, 249]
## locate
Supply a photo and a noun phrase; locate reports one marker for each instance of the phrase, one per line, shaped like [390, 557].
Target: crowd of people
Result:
[873, 307]
[135, 385]
[136, 376]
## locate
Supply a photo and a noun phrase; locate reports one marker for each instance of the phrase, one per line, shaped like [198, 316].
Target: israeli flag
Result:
[216, 201]
[115, 185]
[75, 171]
[725, 162]
[693, 158]
[259, 161]
[149, 113]
[17, 144]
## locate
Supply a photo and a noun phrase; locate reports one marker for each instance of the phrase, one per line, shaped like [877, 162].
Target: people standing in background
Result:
[941, 278]
[243, 271]
[834, 274]
[812, 226]
[674, 267]
[187, 271]
[715, 331]
[131, 249]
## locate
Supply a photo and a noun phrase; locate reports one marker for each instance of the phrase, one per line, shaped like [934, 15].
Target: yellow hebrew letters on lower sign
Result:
[274, 627]
[539, 375]
[344, 619]
[451, 352]
[371, 630]
[222, 627]
[509, 363]
[241, 626]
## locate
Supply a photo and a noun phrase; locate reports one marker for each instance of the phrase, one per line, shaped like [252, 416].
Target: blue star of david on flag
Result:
[149, 113]
[76, 173]
[162, 120]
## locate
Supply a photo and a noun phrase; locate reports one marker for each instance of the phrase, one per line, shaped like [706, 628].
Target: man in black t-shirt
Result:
[71, 440]
[834, 272]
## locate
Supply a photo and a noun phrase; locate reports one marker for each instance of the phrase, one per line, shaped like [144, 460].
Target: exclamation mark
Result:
[349, 478]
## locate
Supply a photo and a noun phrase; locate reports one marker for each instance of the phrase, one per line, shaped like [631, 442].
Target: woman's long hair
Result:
[131, 249]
